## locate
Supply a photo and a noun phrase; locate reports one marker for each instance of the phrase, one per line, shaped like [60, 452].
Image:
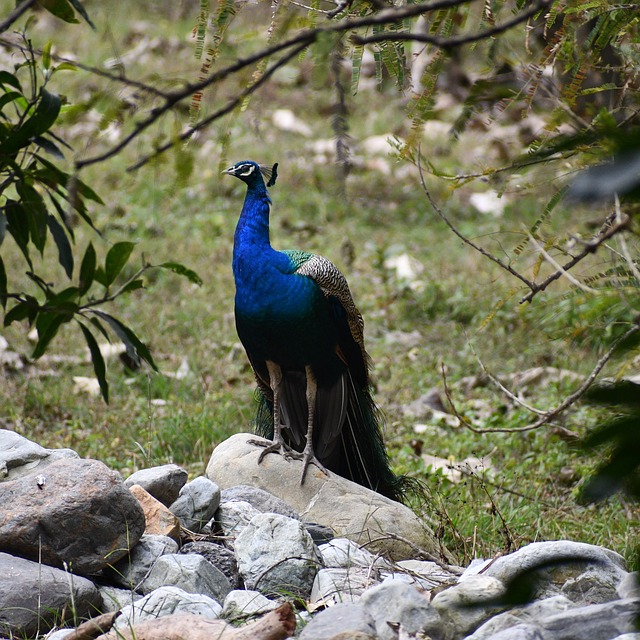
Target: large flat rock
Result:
[352, 511]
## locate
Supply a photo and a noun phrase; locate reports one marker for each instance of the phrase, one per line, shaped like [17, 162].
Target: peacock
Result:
[303, 335]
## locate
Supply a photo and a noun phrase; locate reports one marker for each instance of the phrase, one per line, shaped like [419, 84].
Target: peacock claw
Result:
[308, 457]
[276, 446]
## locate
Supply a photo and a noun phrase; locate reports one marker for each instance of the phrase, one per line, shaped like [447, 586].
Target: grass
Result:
[466, 307]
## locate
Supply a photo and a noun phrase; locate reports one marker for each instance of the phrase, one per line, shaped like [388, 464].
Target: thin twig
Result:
[567, 402]
[607, 231]
[462, 237]
[447, 43]
[556, 265]
[623, 244]
[15, 14]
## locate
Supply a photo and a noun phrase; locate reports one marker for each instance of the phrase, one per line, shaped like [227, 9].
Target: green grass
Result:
[466, 307]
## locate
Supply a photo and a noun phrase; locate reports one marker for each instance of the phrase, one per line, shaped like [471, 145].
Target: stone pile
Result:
[84, 554]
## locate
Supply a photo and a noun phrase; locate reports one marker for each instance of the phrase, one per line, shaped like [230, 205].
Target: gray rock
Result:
[425, 574]
[592, 587]
[190, 572]
[319, 533]
[76, 512]
[339, 584]
[262, 500]
[521, 632]
[167, 601]
[163, 482]
[579, 557]
[114, 599]
[219, 557]
[131, 570]
[600, 621]
[240, 604]
[34, 596]
[629, 587]
[350, 510]
[276, 555]
[196, 503]
[233, 517]
[529, 614]
[453, 604]
[19, 456]
[398, 607]
[349, 620]
[342, 552]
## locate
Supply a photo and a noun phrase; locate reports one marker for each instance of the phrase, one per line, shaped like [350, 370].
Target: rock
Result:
[167, 601]
[559, 561]
[159, 521]
[20, 457]
[190, 572]
[276, 555]
[342, 552]
[219, 556]
[163, 482]
[240, 604]
[603, 621]
[425, 574]
[196, 503]
[341, 584]
[351, 620]
[520, 632]
[400, 608]
[351, 510]
[260, 499]
[461, 606]
[34, 596]
[76, 512]
[114, 599]
[592, 587]
[319, 533]
[233, 517]
[629, 587]
[529, 614]
[131, 570]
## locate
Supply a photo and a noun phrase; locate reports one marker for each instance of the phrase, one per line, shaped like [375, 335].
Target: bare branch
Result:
[449, 43]
[15, 14]
[566, 403]
[608, 230]
[553, 262]
[466, 240]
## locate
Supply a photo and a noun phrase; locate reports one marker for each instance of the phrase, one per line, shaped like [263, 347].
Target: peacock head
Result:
[251, 172]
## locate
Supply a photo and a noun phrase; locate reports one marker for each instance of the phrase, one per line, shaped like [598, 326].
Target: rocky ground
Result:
[86, 554]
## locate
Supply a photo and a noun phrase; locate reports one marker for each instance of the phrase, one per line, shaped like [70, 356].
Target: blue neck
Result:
[252, 230]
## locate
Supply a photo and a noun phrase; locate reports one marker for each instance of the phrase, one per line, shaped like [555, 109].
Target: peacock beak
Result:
[229, 171]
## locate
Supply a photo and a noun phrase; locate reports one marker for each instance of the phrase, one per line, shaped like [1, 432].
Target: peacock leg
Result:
[277, 445]
[308, 455]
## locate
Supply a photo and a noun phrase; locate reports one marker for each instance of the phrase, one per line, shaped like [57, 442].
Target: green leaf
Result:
[10, 79]
[27, 308]
[48, 322]
[116, 259]
[97, 361]
[46, 55]
[9, 97]
[36, 213]
[3, 284]
[48, 146]
[65, 256]
[60, 9]
[132, 286]
[136, 349]
[3, 227]
[87, 269]
[77, 5]
[18, 227]
[181, 270]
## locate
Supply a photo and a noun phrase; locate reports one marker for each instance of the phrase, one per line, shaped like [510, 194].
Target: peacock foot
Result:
[276, 446]
[308, 457]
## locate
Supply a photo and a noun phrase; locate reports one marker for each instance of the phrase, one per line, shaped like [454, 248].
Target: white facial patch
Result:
[246, 171]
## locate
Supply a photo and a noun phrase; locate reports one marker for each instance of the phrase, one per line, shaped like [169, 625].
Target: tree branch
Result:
[15, 14]
[450, 43]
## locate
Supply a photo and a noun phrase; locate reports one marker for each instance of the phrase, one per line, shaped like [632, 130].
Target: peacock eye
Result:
[245, 170]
